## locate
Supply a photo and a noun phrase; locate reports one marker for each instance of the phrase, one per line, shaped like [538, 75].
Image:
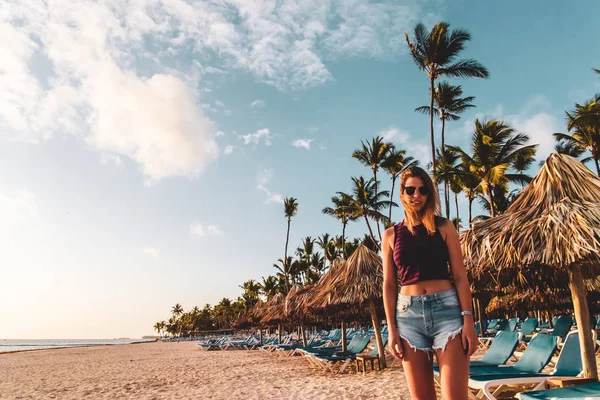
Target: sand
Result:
[180, 371]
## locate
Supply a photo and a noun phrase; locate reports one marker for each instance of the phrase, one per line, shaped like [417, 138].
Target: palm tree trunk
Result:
[371, 232]
[491, 194]
[456, 205]
[447, 199]
[344, 238]
[377, 222]
[432, 83]
[392, 196]
[287, 239]
[470, 211]
[446, 191]
[582, 314]
[377, 329]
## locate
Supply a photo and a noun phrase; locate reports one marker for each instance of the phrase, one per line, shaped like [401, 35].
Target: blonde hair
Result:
[430, 210]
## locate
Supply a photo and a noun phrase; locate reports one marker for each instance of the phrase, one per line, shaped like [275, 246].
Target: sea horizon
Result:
[18, 345]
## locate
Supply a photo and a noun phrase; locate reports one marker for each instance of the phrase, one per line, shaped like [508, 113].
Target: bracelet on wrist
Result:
[463, 313]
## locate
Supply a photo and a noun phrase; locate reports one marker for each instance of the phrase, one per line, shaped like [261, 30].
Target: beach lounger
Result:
[499, 352]
[569, 364]
[586, 391]
[218, 344]
[328, 361]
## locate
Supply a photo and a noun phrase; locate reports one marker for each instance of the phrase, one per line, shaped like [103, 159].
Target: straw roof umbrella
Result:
[555, 223]
[357, 281]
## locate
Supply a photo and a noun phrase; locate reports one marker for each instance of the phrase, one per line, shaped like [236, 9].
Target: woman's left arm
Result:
[463, 289]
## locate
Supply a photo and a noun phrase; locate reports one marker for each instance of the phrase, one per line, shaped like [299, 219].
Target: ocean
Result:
[8, 345]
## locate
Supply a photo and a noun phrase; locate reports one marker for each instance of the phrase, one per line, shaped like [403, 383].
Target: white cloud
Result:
[322, 147]
[220, 133]
[209, 107]
[213, 229]
[302, 143]
[227, 113]
[256, 104]
[255, 138]
[69, 68]
[394, 134]
[219, 103]
[19, 204]
[263, 178]
[151, 252]
[106, 158]
[228, 150]
[197, 230]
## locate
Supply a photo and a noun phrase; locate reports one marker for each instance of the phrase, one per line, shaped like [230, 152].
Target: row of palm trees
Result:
[492, 171]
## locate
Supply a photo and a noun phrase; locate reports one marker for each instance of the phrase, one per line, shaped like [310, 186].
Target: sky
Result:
[146, 146]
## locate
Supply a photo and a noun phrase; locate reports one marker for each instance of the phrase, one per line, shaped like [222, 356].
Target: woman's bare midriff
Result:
[426, 287]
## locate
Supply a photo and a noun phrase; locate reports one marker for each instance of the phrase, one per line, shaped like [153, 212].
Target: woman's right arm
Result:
[390, 291]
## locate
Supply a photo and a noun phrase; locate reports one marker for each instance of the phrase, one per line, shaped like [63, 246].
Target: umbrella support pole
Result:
[582, 314]
[344, 345]
[377, 329]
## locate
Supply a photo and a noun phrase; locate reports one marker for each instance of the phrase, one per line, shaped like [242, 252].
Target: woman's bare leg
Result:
[418, 370]
[454, 370]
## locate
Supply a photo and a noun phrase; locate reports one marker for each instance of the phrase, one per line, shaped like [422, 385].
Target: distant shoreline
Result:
[45, 347]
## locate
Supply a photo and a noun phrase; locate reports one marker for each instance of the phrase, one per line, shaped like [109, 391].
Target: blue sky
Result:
[146, 146]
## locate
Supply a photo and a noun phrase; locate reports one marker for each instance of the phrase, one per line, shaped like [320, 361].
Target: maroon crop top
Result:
[420, 257]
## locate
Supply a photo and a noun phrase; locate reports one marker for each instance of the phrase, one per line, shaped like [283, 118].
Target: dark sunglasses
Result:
[410, 190]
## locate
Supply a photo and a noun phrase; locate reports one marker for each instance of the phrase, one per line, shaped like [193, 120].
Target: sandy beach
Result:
[180, 371]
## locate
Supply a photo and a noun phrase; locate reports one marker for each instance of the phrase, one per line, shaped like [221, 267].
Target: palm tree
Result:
[285, 271]
[158, 327]
[367, 203]
[435, 53]
[177, 310]
[448, 104]
[328, 246]
[445, 172]
[290, 206]
[269, 286]
[496, 146]
[584, 121]
[344, 211]
[394, 164]
[372, 155]
[251, 292]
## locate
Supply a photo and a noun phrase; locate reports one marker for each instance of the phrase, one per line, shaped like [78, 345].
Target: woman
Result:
[429, 315]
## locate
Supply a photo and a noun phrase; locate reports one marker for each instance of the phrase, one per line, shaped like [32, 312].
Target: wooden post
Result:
[344, 346]
[582, 314]
[378, 340]
[481, 327]
[304, 342]
[279, 334]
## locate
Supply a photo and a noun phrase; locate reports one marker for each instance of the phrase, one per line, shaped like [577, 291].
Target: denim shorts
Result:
[429, 321]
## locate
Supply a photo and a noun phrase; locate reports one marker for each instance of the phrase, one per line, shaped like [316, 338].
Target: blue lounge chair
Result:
[587, 391]
[537, 355]
[569, 364]
[327, 361]
[562, 326]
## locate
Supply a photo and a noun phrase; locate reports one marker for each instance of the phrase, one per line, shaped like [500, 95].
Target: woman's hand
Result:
[395, 344]
[469, 339]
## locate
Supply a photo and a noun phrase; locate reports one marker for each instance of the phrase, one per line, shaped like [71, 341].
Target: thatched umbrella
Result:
[357, 281]
[273, 313]
[555, 222]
